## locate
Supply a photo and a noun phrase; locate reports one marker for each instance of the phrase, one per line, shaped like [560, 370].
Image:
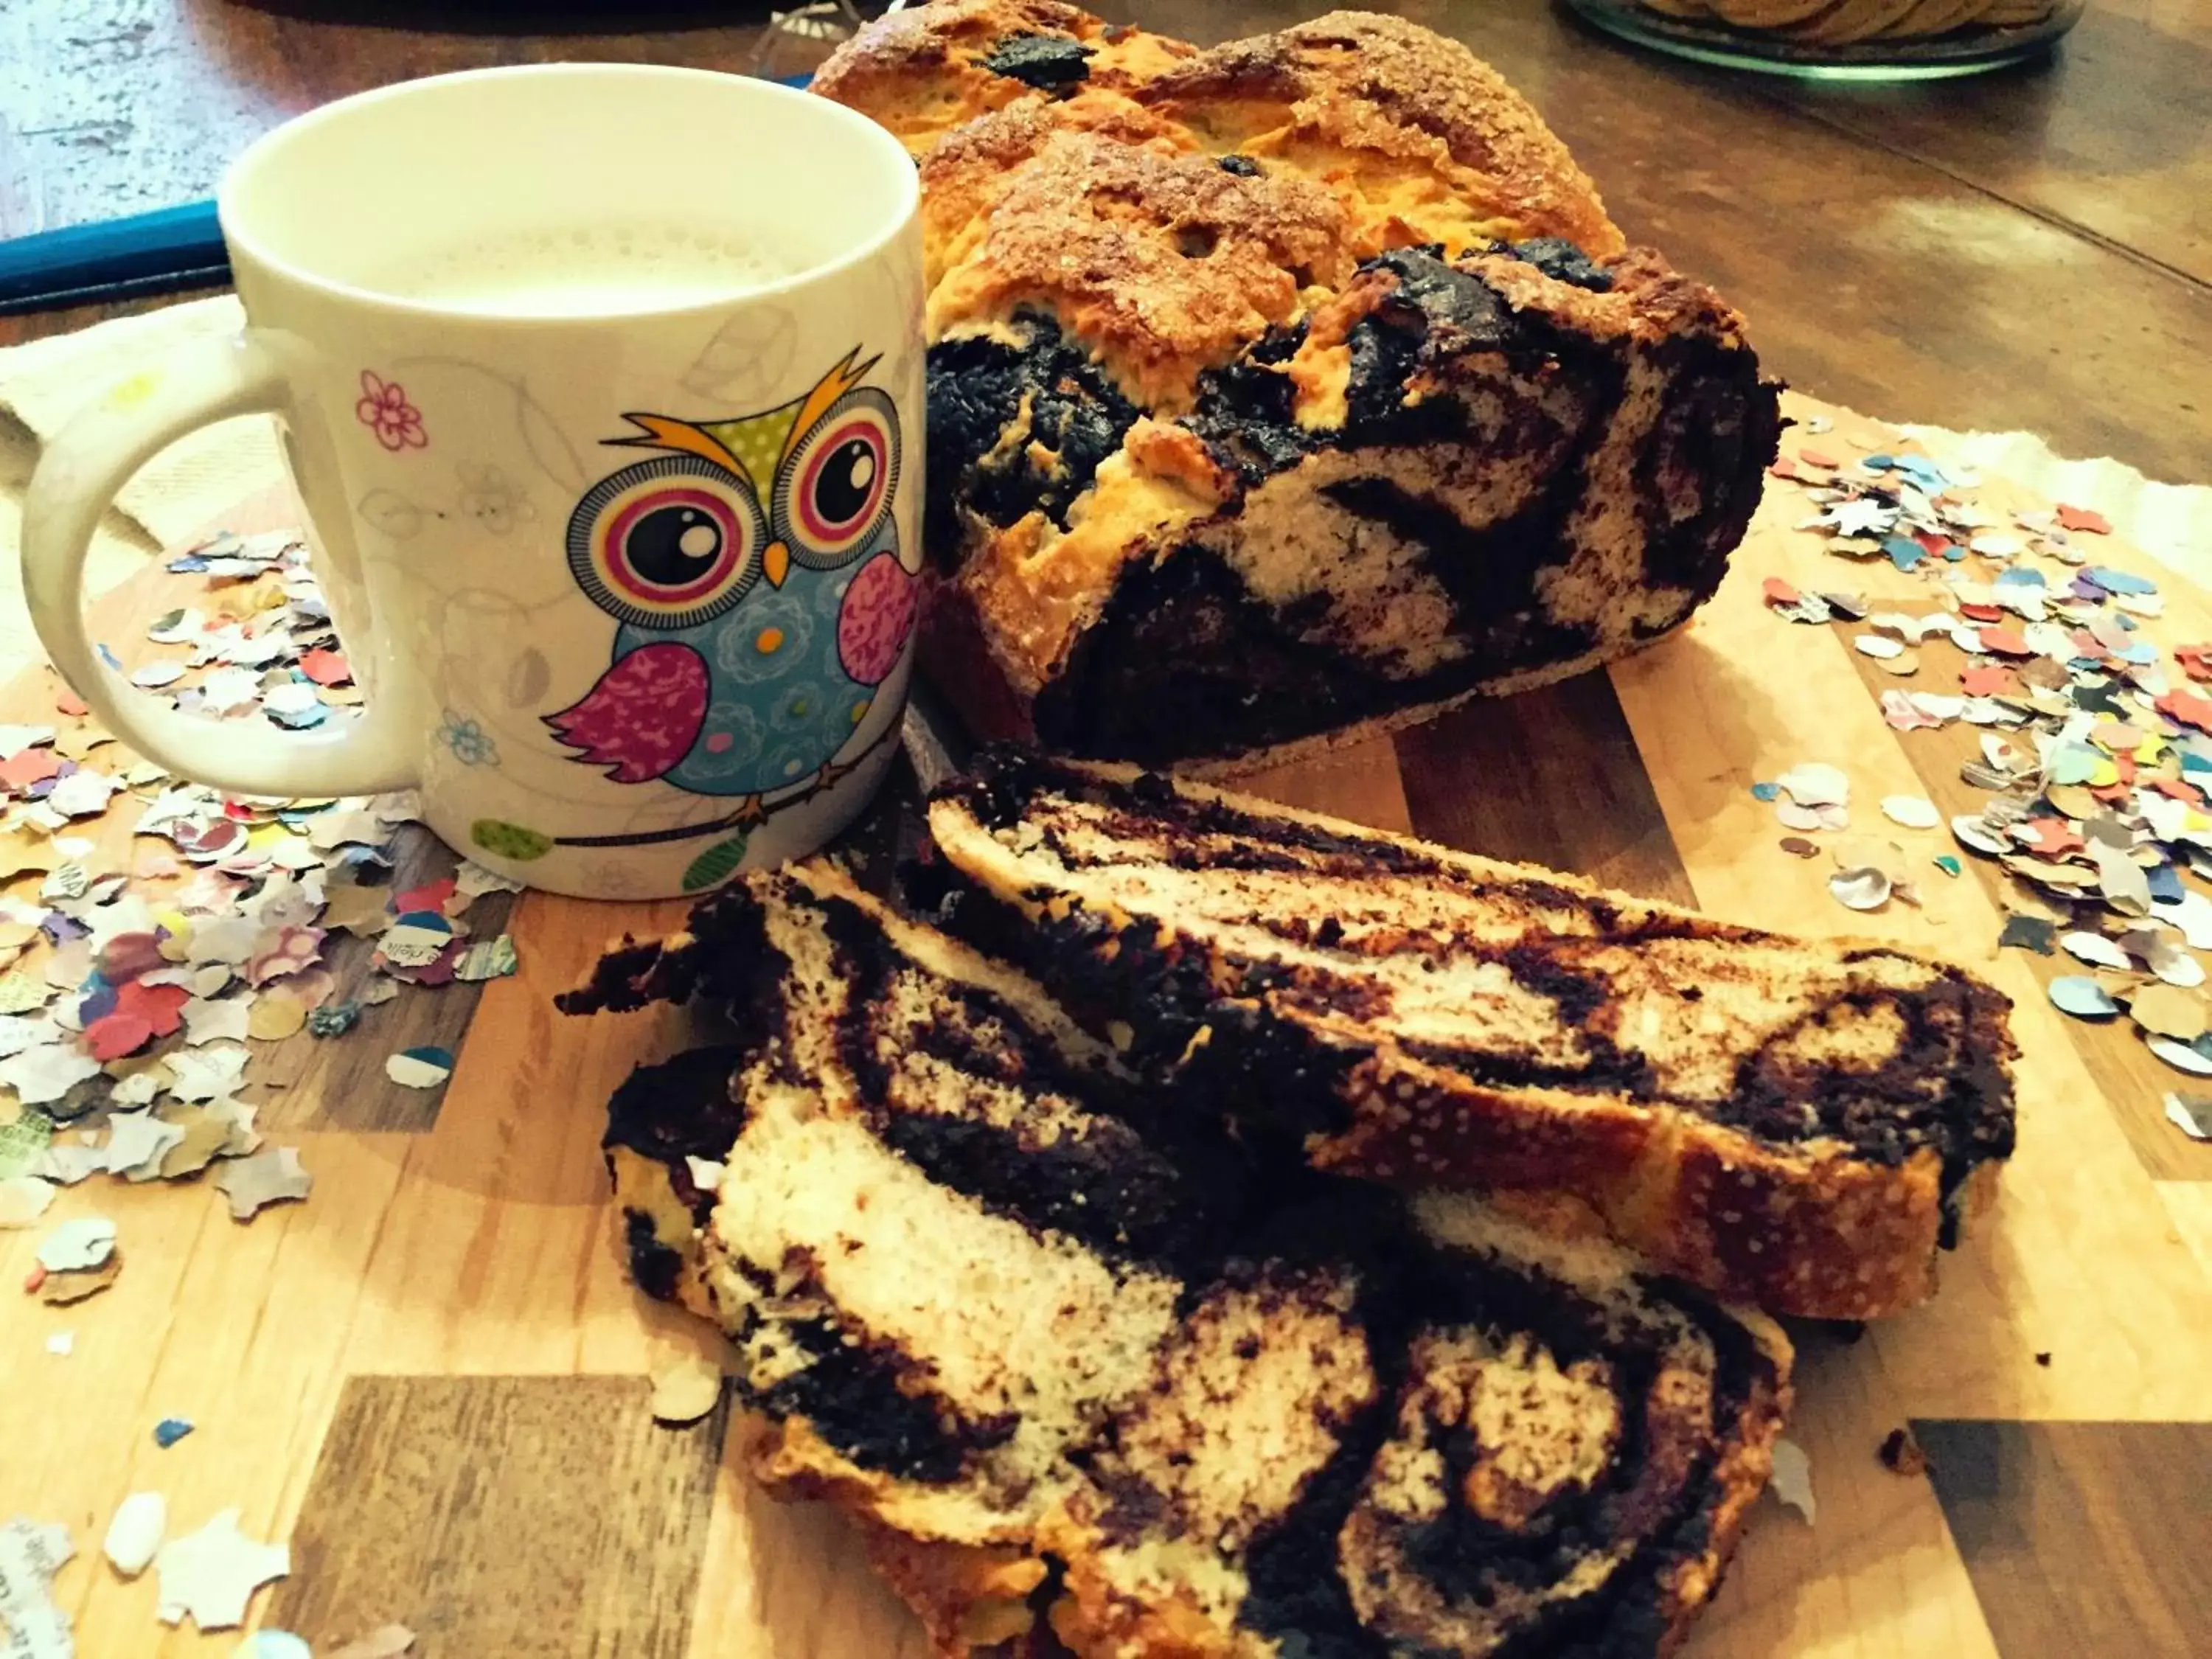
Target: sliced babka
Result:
[1075, 1361]
[1798, 1123]
[1287, 390]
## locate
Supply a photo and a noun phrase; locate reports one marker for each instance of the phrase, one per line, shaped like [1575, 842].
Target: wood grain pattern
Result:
[534, 1517]
[1559, 783]
[2080, 1537]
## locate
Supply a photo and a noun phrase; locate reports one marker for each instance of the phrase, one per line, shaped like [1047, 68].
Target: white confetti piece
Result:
[2193, 915]
[685, 1389]
[1977, 836]
[1793, 1477]
[414, 1069]
[1913, 811]
[1863, 888]
[135, 1535]
[210, 1575]
[61, 1344]
[41, 1075]
[1814, 784]
[207, 1021]
[266, 1643]
[82, 793]
[706, 1173]
[23, 1200]
[155, 675]
[31, 1553]
[2180, 1056]
[1877, 646]
[2095, 950]
[2082, 998]
[137, 1144]
[272, 1176]
[208, 1073]
[77, 1245]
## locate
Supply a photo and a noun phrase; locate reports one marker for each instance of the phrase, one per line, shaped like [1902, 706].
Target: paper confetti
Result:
[268, 1177]
[267, 1643]
[2191, 1115]
[31, 1553]
[1862, 889]
[171, 1429]
[685, 1389]
[86, 1242]
[210, 1575]
[419, 1068]
[1792, 1479]
[23, 1200]
[135, 1533]
[2082, 998]
[1913, 811]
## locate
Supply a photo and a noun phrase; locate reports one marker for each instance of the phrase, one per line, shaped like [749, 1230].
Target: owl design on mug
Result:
[754, 568]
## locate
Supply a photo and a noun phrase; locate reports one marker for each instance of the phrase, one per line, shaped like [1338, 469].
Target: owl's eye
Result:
[667, 544]
[834, 489]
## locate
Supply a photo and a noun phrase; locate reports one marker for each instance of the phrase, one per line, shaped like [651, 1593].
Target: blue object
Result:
[156, 252]
[169, 1430]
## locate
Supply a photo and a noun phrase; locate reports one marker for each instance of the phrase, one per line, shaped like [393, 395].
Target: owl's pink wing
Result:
[875, 618]
[644, 715]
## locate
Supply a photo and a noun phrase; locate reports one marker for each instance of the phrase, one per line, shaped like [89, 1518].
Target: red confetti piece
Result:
[33, 1280]
[431, 896]
[1779, 592]
[2113, 793]
[2180, 789]
[31, 766]
[2196, 660]
[326, 667]
[68, 702]
[2050, 838]
[161, 1006]
[2086, 644]
[2005, 642]
[1818, 457]
[1782, 467]
[1990, 680]
[1934, 540]
[2186, 707]
[1981, 613]
[2125, 764]
[2082, 518]
[116, 1035]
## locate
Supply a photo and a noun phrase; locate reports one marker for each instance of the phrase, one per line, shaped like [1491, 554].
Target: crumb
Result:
[2043, 1359]
[1900, 1453]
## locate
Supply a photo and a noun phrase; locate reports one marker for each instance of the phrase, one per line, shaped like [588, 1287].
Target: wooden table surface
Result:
[431, 1376]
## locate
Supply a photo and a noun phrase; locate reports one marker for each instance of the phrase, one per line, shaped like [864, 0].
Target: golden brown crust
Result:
[1353, 88]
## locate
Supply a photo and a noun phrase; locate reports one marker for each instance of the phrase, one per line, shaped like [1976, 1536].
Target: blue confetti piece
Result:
[2165, 883]
[2144, 654]
[1904, 552]
[2020, 576]
[2075, 763]
[2193, 762]
[109, 657]
[1879, 462]
[1767, 792]
[2119, 582]
[171, 1429]
[429, 919]
[1954, 553]
[1948, 864]
[189, 564]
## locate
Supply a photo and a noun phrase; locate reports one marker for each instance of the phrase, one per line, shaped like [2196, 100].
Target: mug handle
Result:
[86, 463]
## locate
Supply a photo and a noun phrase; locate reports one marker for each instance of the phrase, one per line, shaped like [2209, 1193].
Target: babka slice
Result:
[1797, 1123]
[1286, 391]
[1075, 1368]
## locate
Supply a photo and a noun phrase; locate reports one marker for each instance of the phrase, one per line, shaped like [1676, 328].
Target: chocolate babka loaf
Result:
[1798, 1123]
[1286, 391]
[1075, 1364]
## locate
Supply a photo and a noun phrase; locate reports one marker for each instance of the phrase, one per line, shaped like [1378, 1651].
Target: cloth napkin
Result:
[185, 490]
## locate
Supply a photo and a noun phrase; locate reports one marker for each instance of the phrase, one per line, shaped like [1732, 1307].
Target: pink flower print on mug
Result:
[384, 407]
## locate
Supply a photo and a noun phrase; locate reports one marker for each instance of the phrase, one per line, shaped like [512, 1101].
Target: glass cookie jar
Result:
[1842, 39]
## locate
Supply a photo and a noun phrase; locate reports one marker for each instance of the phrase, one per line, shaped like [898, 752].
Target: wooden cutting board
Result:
[432, 1377]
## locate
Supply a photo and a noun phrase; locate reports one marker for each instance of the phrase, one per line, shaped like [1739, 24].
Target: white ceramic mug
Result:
[602, 387]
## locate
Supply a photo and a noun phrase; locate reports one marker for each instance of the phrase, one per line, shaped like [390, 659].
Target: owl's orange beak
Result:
[776, 563]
